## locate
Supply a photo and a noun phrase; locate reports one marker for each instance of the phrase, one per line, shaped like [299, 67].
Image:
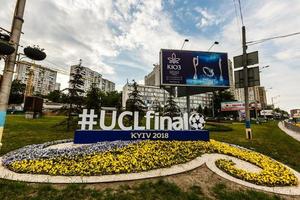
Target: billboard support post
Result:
[246, 92]
[188, 109]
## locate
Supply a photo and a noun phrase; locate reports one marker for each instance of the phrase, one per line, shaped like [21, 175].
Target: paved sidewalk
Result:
[291, 133]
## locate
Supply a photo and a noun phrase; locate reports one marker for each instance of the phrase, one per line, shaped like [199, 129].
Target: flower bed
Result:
[129, 157]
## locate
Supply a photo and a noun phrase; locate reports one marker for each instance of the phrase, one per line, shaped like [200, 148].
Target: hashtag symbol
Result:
[87, 119]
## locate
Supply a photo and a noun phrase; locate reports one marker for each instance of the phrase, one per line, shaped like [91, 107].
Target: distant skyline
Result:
[122, 39]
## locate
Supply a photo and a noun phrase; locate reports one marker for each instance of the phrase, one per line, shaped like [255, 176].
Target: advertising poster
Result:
[194, 68]
[232, 106]
[238, 105]
[295, 113]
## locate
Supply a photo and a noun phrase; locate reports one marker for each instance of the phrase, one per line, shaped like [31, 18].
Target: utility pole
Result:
[8, 72]
[246, 92]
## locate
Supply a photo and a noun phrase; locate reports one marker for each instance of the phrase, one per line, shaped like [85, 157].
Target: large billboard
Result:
[194, 68]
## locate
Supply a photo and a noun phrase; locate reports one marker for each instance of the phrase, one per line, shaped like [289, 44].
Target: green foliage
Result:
[54, 96]
[134, 102]
[171, 108]
[156, 106]
[207, 111]
[199, 109]
[75, 96]
[93, 98]
[222, 192]
[112, 99]
[147, 190]
[17, 92]
[75, 91]
[219, 97]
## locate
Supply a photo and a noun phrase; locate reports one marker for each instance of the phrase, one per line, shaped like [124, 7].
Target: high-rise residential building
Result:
[44, 79]
[151, 95]
[91, 77]
[256, 93]
[262, 96]
[153, 78]
[57, 86]
[108, 85]
[231, 74]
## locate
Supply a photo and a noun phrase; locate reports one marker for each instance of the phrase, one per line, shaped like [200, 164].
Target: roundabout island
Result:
[65, 162]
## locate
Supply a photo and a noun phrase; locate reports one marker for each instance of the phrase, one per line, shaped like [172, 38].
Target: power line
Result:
[61, 70]
[271, 38]
[241, 13]
[237, 21]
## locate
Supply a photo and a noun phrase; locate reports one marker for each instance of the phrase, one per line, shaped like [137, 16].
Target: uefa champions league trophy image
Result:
[195, 63]
[220, 66]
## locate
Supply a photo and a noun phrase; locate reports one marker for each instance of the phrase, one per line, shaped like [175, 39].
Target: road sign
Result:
[253, 77]
[252, 59]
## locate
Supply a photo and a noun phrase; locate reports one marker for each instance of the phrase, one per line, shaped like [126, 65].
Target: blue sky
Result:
[121, 39]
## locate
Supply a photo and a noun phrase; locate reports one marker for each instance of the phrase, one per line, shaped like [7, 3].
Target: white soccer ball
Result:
[197, 121]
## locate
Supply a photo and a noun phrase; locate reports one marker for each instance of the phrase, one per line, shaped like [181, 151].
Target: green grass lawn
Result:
[158, 190]
[19, 131]
[267, 139]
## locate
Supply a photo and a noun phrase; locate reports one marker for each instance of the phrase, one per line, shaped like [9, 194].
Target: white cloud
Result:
[206, 18]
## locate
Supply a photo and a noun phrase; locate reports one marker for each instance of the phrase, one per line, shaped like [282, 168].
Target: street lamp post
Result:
[10, 62]
[264, 67]
[185, 40]
[213, 94]
[187, 94]
[215, 43]
[272, 99]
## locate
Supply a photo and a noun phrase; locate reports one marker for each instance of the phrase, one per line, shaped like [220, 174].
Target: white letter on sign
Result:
[120, 120]
[136, 122]
[148, 119]
[113, 120]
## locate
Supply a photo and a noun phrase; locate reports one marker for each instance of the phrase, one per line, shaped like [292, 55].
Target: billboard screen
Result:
[194, 68]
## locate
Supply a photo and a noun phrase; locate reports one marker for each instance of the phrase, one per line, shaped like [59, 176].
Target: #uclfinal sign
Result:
[164, 127]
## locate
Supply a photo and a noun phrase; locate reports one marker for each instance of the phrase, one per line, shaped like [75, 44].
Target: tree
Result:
[206, 111]
[134, 102]
[156, 106]
[199, 109]
[221, 96]
[17, 92]
[54, 96]
[64, 98]
[75, 96]
[112, 99]
[93, 99]
[171, 108]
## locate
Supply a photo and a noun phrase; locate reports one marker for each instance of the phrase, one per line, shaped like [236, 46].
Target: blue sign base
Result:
[94, 136]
